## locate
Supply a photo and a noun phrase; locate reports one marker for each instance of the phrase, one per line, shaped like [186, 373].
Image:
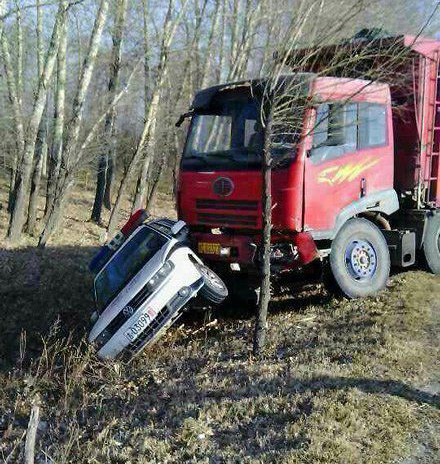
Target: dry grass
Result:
[342, 382]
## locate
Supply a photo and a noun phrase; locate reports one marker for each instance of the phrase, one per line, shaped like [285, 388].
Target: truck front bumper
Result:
[288, 251]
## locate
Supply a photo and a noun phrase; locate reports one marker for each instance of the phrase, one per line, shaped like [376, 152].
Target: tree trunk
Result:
[167, 37]
[58, 124]
[106, 161]
[155, 182]
[205, 70]
[19, 49]
[140, 199]
[71, 154]
[64, 185]
[41, 145]
[40, 155]
[221, 47]
[266, 172]
[21, 190]
[141, 195]
[14, 99]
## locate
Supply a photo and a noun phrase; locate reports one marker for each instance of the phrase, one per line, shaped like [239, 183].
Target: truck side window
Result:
[335, 132]
[372, 125]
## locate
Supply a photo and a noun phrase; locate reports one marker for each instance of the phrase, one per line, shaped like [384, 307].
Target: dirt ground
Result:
[342, 381]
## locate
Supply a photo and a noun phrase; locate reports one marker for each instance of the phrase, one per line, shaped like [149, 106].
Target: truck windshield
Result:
[230, 135]
[230, 131]
[125, 264]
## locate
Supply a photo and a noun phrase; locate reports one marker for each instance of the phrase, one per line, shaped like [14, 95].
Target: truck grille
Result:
[227, 219]
[231, 206]
[238, 205]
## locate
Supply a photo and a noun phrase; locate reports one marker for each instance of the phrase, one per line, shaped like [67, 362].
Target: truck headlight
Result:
[160, 275]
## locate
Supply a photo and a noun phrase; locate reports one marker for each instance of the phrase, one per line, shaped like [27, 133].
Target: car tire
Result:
[431, 244]
[214, 289]
[359, 259]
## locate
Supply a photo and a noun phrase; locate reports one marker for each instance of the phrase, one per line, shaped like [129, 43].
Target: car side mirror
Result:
[183, 117]
[177, 227]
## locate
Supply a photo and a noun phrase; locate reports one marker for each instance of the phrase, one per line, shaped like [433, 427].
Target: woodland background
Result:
[341, 381]
[93, 89]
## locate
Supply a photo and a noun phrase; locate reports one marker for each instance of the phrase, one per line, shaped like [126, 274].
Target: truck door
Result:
[348, 141]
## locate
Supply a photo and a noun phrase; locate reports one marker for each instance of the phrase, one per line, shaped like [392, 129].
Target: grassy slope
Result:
[343, 382]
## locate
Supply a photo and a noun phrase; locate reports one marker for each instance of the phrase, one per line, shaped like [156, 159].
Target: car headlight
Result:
[160, 275]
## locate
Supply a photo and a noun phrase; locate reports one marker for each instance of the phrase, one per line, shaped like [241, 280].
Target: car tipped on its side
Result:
[144, 278]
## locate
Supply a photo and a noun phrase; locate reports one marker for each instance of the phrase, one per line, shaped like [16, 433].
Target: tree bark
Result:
[19, 54]
[13, 97]
[266, 172]
[21, 188]
[40, 155]
[58, 123]
[41, 144]
[106, 161]
[207, 61]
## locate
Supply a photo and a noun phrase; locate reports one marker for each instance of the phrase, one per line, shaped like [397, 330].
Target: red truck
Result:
[354, 201]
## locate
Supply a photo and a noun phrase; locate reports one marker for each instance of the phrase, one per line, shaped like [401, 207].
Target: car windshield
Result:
[125, 264]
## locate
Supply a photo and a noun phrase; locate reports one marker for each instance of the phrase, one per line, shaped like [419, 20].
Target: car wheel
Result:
[214, 289]
[359, 259]
[431, 245]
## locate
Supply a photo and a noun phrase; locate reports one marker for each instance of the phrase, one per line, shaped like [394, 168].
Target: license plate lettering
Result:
[140, 325]
[209, 248]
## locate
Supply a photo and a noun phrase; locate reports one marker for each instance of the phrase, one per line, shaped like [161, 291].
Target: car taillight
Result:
[135, 220]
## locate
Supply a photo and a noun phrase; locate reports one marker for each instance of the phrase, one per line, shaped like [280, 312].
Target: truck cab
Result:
[342, 161]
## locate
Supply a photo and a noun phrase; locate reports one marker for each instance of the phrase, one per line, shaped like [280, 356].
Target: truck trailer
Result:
[352, 202]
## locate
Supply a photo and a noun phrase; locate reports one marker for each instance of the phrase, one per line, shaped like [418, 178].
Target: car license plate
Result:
[209, 248]
[140, 325]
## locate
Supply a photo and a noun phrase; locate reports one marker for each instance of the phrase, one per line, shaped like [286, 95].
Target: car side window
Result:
[335, 131]
[372, 125]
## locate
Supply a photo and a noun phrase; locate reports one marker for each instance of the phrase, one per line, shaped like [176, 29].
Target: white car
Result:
[142, 285]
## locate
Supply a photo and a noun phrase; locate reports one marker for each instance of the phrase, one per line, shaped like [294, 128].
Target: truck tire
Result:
[431, 244]
[214, 289]
[359, 259]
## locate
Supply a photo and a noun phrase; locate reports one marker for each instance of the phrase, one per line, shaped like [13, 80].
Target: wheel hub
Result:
[361, 260]
[213, 279]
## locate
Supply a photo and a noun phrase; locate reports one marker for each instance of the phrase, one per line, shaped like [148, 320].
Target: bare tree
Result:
[154, 105]
[41, 144]
[107, 160]
[70, 154]
[169, 29]
[15, 101]
[58, 121]
[21, 187]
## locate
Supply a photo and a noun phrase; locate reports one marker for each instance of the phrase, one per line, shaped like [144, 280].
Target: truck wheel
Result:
[431, 245]
[360, 259]
[214, 289]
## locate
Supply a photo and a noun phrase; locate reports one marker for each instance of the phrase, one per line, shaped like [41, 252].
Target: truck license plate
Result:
[209, 248]
[140, 325]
